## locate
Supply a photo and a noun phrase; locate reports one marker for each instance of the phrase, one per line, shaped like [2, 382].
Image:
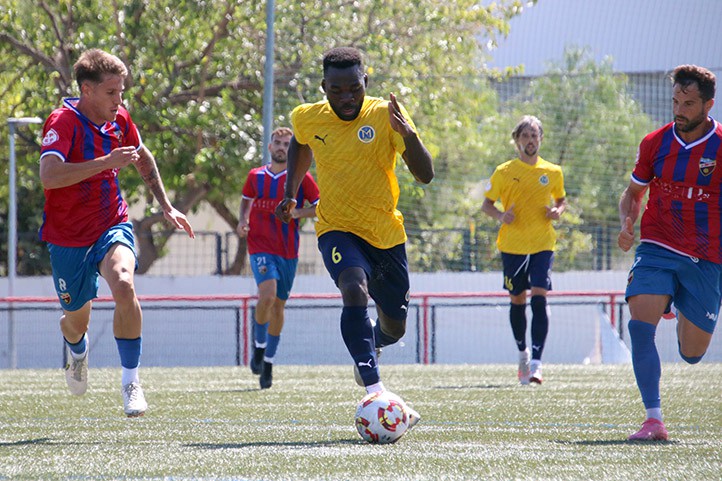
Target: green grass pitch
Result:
[477, 423]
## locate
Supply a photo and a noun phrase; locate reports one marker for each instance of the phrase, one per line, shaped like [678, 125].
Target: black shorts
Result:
[524, 271]
[387, 270]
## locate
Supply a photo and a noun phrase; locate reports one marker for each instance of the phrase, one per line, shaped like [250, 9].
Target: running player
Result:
[272, 246]
[678, 259]
[355, 140]
[85, 219]
[532, 195]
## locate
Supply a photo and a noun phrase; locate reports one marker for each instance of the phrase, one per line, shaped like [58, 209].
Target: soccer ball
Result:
[381, 418]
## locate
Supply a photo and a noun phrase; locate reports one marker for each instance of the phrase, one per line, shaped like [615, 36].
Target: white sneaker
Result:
[524, 372]
[76, 373]
[133, 400]
[414, 417]
[536, 372]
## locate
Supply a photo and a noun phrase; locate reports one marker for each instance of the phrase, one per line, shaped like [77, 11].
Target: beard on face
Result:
[690, 125]
[530, 150]
[346, 116]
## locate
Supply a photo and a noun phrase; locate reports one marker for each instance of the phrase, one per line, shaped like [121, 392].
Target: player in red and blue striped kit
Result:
[272, 247]
[85, 219]
[678, 259]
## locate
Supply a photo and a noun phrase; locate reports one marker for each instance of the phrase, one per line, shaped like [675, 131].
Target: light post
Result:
[268, 81]
[13, 123]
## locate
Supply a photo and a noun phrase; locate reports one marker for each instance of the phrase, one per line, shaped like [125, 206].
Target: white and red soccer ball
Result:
[381, 418]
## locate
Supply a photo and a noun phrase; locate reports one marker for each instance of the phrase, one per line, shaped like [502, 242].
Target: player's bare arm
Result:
[54, 173]
[243, 228]
[630, 205]
[304, 212]
[299, 161]
[148, 170]
[417, 158]
[505, 217]
[555, 212]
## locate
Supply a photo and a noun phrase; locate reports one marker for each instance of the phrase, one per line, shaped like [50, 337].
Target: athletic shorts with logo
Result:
[76, 269]
[694, 284]
[270, 266]
[386, 269]
[524, 271]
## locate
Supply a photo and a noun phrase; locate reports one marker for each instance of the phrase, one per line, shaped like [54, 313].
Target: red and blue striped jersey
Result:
[76, 215]
[683, 210]
[267, 234]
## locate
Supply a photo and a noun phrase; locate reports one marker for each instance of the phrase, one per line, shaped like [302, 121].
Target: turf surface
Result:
[477, 423]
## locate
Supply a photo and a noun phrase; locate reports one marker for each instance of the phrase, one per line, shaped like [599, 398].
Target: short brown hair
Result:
[94, 63]
[686, 75]
[527, 121]
[281, 132]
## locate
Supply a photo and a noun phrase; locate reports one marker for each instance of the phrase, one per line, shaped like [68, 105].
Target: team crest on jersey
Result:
[262, 270]
[544, 180]
[706, 166]
[65, 297]
[366, 134]
[50, 137]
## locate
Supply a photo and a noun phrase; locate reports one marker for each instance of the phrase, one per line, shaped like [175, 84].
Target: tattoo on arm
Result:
[149, 172]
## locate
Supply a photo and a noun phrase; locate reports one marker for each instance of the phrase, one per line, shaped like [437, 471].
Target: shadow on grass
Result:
[233, 391]
[617, 442]
[474, 386]
[293, 444]
[26, 442]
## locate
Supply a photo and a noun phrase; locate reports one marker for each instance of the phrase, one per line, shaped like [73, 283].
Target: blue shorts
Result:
[269, 266]
[386, 269]
[75, 269]
[693, 284]
[524, 271]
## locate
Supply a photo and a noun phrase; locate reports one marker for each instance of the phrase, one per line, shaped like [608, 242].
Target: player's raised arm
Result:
[55, 173]
[416, 156]
[299, 161]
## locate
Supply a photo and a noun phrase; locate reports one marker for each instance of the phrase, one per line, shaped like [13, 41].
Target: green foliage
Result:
[196, 82]
[592, 127]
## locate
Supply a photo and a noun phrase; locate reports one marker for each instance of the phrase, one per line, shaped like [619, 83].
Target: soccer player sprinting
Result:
[272, 246]
[85, 219]
[678, 258]
[355, 140]
[532, 195]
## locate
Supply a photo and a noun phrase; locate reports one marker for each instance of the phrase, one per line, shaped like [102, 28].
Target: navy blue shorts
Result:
[387, 270]
[524, 271]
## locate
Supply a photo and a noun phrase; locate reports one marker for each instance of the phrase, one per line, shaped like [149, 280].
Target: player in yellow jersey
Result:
[355, 140]
[531, 191]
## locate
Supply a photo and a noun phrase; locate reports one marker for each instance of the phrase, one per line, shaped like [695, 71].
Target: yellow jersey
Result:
[530, 189]
[355, 170]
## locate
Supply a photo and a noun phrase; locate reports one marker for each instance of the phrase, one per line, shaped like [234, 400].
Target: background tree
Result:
[592, 127]
[195, 86]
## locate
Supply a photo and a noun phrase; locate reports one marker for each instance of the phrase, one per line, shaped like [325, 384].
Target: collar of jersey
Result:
[275, 176]
[698, 141]
[72, 102]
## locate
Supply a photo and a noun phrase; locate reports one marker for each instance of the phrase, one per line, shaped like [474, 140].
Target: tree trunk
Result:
[239, 262]
[150, 244]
